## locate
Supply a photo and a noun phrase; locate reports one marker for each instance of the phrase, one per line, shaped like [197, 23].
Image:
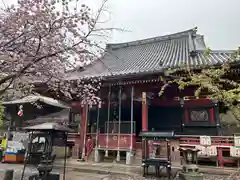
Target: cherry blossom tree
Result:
[42, 39]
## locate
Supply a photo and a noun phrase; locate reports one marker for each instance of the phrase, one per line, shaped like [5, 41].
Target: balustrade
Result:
[124, 142]
[219, 149]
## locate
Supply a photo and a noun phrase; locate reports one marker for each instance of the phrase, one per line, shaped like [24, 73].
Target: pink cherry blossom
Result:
[43, 39]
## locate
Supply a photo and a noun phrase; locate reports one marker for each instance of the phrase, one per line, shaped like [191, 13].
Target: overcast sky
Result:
[217, 20]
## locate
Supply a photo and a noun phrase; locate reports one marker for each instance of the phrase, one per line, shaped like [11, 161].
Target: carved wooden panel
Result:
[199, 115]
[157, 148]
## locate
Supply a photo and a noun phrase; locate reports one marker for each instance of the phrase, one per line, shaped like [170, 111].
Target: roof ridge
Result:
[219, 51]
[153, 39]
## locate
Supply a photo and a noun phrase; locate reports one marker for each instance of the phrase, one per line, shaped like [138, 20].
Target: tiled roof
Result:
[61, 116]
[153, 55]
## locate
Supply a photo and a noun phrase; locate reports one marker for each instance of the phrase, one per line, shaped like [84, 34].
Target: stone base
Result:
[190, 176]
[51, 176]
[98, 156]
[106, 153]
[129, 158]
[118, 157]
[190, 168]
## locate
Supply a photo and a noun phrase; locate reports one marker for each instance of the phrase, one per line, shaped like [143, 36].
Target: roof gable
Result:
[190, 34]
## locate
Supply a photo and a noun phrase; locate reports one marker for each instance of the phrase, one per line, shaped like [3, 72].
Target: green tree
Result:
[218, 82]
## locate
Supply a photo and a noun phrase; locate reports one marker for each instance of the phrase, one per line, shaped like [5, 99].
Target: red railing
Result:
[220, 141]
[223, 143]
[113, 143]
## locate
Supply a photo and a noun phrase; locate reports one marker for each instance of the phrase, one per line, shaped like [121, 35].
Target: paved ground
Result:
[131, 170]
[71, 174]
[86, 171]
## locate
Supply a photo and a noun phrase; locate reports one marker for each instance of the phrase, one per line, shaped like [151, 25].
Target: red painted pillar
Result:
[144, 112]
[212, 115]
[145, 150]
[220, 157]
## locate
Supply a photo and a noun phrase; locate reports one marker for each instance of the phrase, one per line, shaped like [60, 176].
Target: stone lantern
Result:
[190, 169]
[189, 155]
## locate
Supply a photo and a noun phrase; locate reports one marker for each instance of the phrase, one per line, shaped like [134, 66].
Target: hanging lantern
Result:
[20, 111]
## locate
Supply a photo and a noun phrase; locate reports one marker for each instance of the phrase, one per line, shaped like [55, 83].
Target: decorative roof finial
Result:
[195, 29]
[238, 54]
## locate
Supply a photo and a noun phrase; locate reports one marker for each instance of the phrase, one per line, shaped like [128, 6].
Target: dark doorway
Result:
[162, 118]
[137, 117]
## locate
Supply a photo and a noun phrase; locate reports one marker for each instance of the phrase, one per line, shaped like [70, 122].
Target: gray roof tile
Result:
[153, 55]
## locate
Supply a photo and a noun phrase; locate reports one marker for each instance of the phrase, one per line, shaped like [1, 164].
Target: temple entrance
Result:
[161, 118]
[115, 125]
[137, 114]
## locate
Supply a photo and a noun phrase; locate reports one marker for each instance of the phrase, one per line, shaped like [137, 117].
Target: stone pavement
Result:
[100, 171]
[71, 174]
[132, 170]
[102, 168]
[30, 170]
[17, 170]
